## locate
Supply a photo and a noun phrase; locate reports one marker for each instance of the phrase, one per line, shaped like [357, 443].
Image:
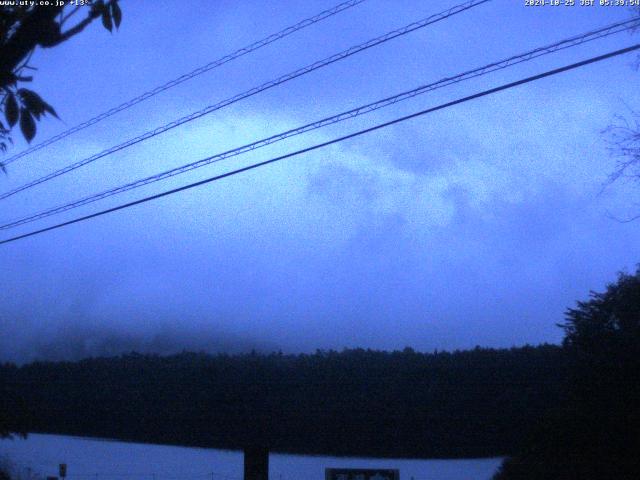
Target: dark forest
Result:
[356, 402]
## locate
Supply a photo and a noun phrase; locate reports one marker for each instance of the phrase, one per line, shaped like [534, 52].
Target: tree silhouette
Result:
[623, 136]
[594, 433]
[23, 28]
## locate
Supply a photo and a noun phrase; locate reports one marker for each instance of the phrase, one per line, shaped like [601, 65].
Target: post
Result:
[256, 463]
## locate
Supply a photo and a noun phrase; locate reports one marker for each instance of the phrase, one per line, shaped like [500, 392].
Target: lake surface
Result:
[95, 459]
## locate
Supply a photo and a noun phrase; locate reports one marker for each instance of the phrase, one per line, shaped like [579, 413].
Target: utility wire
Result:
[188, 76]
[502, 64]
[330, 142]
[280, 80]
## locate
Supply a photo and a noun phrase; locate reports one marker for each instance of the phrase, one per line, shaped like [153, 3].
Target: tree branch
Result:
[70, 33]
[69, 15]
[36, 27]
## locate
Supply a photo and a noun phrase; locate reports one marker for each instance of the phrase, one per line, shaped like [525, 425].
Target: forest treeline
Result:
[567, 412]
[356, 402]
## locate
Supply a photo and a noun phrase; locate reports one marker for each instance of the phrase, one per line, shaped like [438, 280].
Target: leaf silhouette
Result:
[27, 124]
[49, 109]
[35, 104]
[106, 19]
[11, 110]
[116, 13]
[31, 100]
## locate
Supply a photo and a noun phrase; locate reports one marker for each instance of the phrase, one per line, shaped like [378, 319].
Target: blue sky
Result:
[476, 225]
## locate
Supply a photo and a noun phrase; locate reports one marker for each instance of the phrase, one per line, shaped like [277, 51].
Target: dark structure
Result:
[256, 463]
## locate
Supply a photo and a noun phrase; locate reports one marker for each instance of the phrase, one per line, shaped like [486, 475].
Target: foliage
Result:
[358, 402]
[24, 27]
[593, 434]
[609, 323]
[24, 106]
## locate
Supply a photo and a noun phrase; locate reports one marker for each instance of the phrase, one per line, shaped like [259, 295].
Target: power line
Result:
[280, 80]
[188, 76]
[330, 142]
[502, 64]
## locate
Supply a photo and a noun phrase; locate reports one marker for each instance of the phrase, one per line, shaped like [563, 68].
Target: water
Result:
[94, 459]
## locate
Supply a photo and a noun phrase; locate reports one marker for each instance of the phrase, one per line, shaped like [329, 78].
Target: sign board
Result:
[63, 470]
[361, 474]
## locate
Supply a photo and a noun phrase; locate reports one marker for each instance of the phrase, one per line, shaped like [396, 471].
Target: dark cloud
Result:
[74, 340]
